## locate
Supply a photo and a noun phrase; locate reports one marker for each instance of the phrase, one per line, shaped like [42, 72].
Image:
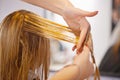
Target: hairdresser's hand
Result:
[83, 61]
[76, 20]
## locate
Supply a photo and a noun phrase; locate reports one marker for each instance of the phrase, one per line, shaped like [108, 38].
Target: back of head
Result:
[21, 49]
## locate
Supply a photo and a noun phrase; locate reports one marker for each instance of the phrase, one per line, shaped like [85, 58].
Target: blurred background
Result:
[105, 29]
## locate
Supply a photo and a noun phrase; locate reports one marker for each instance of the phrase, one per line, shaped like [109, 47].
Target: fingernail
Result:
[72, 49]
[80, 50]
[97, 11]
[77, 52]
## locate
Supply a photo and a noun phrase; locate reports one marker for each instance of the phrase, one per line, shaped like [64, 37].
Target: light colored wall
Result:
[8, 6]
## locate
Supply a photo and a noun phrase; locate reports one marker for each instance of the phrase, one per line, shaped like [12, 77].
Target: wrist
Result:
[72, 65]
[76, 61]
[76, 69]
[69, 72]
[75, 66]
[66, 8]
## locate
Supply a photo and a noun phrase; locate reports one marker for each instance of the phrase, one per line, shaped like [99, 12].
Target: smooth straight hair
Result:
[21, 48]
[25, 45]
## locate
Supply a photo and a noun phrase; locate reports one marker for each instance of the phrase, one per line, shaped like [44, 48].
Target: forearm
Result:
[56, 6]
[68, 73]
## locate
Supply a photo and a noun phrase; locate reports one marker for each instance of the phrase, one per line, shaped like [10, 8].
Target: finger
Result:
[87, 52]
[90, 43]
[74, 47]
[88, 14]
[81, 40]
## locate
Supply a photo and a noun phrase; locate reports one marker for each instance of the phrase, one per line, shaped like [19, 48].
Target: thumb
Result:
[88, 14]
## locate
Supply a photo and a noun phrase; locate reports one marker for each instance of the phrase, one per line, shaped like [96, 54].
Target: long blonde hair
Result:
[21, 49]
[24, 44]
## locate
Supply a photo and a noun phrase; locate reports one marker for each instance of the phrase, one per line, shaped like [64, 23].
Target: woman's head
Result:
[21, 48]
